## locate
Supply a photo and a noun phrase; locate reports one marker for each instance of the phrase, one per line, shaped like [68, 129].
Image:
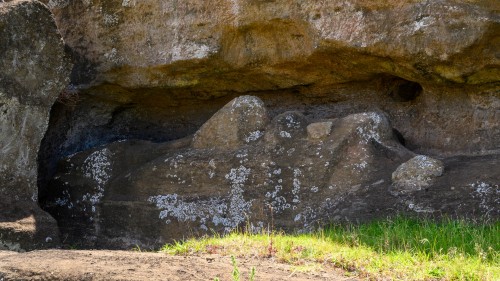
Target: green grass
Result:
[396, 249]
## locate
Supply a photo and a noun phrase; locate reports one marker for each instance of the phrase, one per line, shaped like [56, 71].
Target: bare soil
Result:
[130, 265]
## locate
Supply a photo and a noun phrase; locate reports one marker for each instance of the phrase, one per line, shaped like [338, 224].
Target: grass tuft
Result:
[399, 249]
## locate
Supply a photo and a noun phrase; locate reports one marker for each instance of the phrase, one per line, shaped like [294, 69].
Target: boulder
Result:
[319, 130]
[33, 72]
[417, 173]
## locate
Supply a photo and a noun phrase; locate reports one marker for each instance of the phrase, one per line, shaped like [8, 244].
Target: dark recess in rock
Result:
[399, 137]
[404, 91]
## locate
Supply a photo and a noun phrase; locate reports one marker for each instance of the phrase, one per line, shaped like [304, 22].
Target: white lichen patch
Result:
[249, 102]
[10, 246]
[253, 136]
[238, 207]
[97, 166]
[369, 130]
[307, 218]
[489, 196]
[172, 206]
[297, 173]
[110, 19]
[61, 201]
[361, 165]
[285, 134]
[228, 212]
[190, 51]
[65, 200]
[128, 3]
[359, 160]
[242, 155]
[212, 167]
[276, 199]
[422, 23]
[297, 217]
[277, 202]
[175, 161]
[419, 208]
[112, 56]
[93, 199]
[291, 122]
[258, 228]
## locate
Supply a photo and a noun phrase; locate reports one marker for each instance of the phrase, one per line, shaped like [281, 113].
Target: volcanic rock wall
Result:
[33, 71]
[144, 66]
[149, 74]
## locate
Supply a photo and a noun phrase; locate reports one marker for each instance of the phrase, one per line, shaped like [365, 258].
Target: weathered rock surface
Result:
[141, 43]
[33, 71]
[239, 122]
[157, 70]
[417, 173]
[141, 193]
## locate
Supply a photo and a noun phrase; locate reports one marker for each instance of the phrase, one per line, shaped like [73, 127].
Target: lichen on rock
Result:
[416, 173]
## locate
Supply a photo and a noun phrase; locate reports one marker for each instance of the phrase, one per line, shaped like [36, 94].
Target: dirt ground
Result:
[129, 265]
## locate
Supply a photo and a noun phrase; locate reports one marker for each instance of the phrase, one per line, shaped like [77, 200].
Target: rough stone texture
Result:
[239, 122]
[319, 130]
[156, 70]
[141, 193]
[129, 41]
[142, 67]
[33, 71]
[417, 173]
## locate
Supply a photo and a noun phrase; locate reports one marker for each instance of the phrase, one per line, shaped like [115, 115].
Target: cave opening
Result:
[401, 90]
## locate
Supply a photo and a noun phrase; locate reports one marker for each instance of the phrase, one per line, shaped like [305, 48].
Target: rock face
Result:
[125, 42]
[149, 75]
[143, 66]
[140, 193]
[33, 72]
